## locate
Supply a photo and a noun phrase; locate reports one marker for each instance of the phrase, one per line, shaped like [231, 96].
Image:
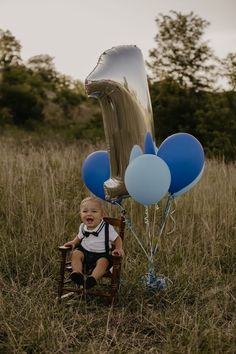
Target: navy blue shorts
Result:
[91, 258]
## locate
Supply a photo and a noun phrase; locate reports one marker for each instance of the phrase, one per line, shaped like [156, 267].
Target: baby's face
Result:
[91, 214]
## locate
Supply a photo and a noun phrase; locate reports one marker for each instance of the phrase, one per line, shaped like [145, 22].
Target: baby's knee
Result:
[103, 262]
[76, 254]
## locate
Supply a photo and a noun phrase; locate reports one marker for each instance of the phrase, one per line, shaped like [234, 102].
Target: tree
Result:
[180, 53]
[216, 124]
[35, 93]
[21, 96]
[10, 49]
[229, 69]
[43, 64]
[173, 108]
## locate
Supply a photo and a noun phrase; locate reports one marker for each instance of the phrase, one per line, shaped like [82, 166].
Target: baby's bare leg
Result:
[77, 260]
[100, 269]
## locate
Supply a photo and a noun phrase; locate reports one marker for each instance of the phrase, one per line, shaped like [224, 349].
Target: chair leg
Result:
[62, 273]
[115, 279]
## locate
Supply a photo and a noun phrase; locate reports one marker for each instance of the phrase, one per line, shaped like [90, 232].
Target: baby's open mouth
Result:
[89, 220]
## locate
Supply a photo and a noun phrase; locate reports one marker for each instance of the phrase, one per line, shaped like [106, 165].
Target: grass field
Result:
[40, 191]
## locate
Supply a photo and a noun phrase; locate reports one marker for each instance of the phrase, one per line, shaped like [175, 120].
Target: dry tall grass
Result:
[40, 192]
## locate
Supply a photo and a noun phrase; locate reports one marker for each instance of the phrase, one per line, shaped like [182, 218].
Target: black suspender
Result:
[107, 237]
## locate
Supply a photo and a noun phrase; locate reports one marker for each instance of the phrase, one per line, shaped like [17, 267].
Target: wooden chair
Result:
[108, 286]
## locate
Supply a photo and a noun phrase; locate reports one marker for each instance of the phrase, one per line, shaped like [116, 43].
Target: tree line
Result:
[184, 81]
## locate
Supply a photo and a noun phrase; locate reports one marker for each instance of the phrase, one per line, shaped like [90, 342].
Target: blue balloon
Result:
[95, 171]
[184, 155]
[135, 152]
[147, 179]
[149, 146]
[188, 187]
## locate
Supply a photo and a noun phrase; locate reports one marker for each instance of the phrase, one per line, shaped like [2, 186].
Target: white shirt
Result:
[96, 243]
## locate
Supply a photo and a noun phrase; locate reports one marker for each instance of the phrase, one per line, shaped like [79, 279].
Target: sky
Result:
[76, 32]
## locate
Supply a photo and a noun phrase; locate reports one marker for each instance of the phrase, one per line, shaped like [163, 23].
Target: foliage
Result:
[44, 66]
[182, 95]
[67, 98]
[21, 95]
[181, 53]
[229, 69]
[173, 108]
[216, 124]
[9, 49]
[210, 117]
[92, 130]
[35, 94]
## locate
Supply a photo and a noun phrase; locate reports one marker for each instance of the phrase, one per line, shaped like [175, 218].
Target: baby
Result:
[91, 247]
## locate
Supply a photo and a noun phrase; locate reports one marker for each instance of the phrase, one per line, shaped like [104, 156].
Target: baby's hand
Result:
[70, 244]
[118, 252]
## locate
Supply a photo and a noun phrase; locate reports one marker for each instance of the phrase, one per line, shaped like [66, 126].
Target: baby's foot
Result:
[77, 278]
[90, 282]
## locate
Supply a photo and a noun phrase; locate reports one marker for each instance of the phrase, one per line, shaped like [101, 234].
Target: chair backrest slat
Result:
[120, 223]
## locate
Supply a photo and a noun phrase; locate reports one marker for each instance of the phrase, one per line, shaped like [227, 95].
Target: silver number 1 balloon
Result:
[119, 81]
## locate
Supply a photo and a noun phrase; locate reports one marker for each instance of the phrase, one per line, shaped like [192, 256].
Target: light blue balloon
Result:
[147, 179]
[191, 185]
[135, 152]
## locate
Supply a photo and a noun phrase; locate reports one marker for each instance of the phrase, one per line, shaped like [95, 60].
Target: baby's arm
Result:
[72, 243]
[118, 251]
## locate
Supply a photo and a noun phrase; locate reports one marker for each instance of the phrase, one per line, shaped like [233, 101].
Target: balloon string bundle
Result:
[129, 225]
[153, 281]
[148, 231]
[173, 220]
[164, 217]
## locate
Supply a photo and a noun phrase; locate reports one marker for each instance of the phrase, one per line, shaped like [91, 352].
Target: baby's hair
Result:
[93, 199]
